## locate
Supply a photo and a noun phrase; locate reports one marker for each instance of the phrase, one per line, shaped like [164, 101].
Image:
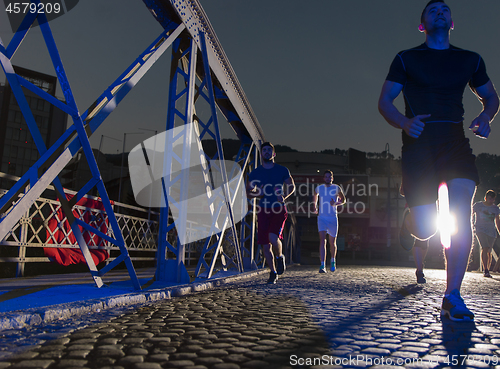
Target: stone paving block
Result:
[115, 353]
[101, 347]
[33, 364]
[226, 366]
[349, 347]
[178, 363]
[104, 362]
[263, 348]
[84, 341]
[230, 334]
[51, 355]
[237, 350]
[184, 356]
[159, 357]
[404, 354]
[137, 351]
[255, 364]
[84, 335]
[415, 344]
[207, 337]
[389, 340]
[248, 338]
[190, 348]
[208, 361]
[364, 344]
[72, 363]
[486, 346]
[257, 354]
[58, 341]
[130, 359]
[107, 341]
[431, 341]
[77, 354]
[236, 358]
[159, 339]
[479, 351]
[376, 351]
[422, 331]
[24, 355]
[229, 340]
[147, 366]
[212, 352]
[164, 350]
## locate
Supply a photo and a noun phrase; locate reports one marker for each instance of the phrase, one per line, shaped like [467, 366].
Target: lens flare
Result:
[445, 221]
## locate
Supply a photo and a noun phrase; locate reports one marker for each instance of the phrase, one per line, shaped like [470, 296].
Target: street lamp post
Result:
[100, 145]
[123, 157]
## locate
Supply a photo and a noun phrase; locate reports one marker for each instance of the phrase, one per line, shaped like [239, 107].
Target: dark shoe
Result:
[406, 239]
[454, 307]
[273, 278]
[487, 274]
[420, 277]
[322, 269]
[333, 266]
[280, 264]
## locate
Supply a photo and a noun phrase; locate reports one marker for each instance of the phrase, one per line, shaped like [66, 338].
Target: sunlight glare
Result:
[445, 221]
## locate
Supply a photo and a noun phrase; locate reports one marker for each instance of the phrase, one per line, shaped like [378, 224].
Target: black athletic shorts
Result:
[428, 163]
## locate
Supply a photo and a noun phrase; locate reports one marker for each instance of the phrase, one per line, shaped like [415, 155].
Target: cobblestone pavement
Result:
[355, 317]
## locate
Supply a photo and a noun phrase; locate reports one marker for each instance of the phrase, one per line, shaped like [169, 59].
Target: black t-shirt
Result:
[434, 82]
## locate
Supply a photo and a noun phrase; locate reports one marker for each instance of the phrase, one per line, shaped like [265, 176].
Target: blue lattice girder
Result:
[53, 160]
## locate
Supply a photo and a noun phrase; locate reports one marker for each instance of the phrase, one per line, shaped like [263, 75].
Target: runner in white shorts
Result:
[330, 196]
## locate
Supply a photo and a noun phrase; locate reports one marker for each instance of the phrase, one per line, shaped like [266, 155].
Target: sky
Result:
[312, 70]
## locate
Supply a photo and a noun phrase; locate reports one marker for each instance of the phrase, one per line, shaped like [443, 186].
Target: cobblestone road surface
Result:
[356, 317]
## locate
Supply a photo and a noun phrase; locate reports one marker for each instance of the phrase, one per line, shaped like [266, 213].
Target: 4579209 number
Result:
[24, 8]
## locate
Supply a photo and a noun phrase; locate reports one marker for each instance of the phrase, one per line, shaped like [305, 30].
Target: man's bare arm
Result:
[390, 91]
[315, 202]
[489, 98]
[342, 198]
[290, 188]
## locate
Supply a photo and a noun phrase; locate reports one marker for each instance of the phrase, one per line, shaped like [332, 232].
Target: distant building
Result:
[19, 152]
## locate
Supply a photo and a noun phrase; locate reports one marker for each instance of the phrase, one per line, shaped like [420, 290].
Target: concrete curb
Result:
[29, 317]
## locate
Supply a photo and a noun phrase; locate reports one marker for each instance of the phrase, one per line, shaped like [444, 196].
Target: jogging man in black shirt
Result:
[432, 78]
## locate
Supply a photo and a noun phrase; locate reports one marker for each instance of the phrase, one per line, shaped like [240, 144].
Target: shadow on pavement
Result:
[457, 339]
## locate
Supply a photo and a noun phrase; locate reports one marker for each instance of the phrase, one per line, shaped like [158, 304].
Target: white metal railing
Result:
[45, 226]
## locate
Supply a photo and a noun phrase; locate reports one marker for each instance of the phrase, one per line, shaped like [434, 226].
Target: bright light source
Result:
[445, 220]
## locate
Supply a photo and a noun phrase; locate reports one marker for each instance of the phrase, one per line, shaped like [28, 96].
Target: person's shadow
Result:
[457, 340]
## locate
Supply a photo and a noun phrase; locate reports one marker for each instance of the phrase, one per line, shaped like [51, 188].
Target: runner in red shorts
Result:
[272, 184]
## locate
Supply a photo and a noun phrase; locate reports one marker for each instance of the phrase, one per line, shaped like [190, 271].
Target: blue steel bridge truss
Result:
[200, 73]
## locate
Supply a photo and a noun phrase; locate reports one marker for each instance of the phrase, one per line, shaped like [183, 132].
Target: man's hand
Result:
[335, 202]
[414, 126]
[256, 192]
[481, 126]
